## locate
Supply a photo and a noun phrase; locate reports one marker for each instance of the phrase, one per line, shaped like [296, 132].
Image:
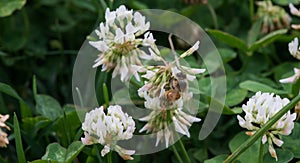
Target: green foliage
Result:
[7, 7]
[55, 152]
[41, 38]
[18, 140]
[256, 86]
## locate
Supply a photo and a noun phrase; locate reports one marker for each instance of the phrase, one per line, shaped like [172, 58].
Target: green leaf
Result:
[291, 142]
[67, 125]
[227, 54]
[284, 156]
[254, 32]
[43, 161]
[271, 37]
[200, 154]
[4, 88]
[235, 96]
[286, 2]
[25, 111]
[7, 7]
[228, 39]
[216, 159]
[73, 150]
[252, 151]
[55, 152]
[138, 5]
[18, 141]
[48, 107]
[254, 86]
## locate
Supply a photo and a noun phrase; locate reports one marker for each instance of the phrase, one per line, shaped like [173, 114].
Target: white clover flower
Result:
[107, 129]
[294, 48]
[119, 43]
[259, 110]
[293, 78]
[3, 136]
[165, 122]
[165, 92]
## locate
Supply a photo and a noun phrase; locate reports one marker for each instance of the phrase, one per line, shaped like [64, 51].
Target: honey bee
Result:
[169, 97]
[180, 82]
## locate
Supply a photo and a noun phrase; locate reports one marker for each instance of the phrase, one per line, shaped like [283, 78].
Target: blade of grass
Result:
[18, 141]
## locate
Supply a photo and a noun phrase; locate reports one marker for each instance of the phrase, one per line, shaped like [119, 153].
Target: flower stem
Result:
[262, 130]
[213, 15]
[176, 153]
[184, 151]
[261, 152]
[109, 158]
[251, 5]
[106, 96]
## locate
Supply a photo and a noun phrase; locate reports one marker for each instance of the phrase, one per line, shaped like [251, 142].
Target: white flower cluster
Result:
[294, 50]
[109, 128]
[259, 110]
[3, 136]
[119, 44]
[165, 91]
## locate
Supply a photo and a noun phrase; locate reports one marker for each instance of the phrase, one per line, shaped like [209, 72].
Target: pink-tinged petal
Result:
[295, 26]
[277, 141]
[87, 140]
[264, 139]
[272, 152]
[294, 10]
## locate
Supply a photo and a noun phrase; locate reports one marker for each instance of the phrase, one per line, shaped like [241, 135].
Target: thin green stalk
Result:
[106, 96]
[213, 15]
[251, 4]
[262, 130]
[261, 152]
[109, 158]
[111, 3]
[186, 156]
[176, 153]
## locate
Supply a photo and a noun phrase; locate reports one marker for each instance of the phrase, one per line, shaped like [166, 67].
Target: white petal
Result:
[119, 38]
[272, 152]
[277, 141]
[105, 150]
[294, 10]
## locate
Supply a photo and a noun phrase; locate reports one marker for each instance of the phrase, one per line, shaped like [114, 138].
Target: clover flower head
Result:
[165, 91]
[119, 43]
[107, 129]
[259, 110]
[273, 17]
[3, 136]
[166, 122]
